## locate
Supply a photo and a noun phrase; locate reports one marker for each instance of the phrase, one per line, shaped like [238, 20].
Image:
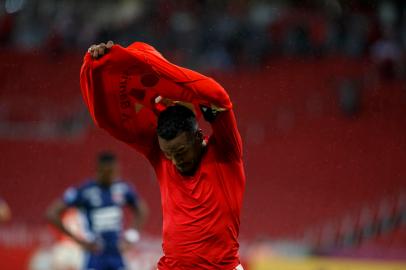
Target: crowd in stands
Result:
[213, 34]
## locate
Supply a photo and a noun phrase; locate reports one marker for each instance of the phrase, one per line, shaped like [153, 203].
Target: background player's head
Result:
[107, 168]
[180, 138]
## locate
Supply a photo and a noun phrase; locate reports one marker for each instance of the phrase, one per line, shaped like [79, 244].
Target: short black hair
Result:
[106, 158]
[174, 120]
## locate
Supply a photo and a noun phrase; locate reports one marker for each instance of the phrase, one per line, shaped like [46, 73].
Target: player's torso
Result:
[202, 213]
[103, 209]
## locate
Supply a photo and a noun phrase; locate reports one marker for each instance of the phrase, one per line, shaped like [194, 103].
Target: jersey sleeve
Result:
[72, 197]
[226, 136]
[121, 90]
[107, 95]
[188, 85]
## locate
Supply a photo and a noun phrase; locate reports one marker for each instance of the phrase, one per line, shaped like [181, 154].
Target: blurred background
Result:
[319, 90]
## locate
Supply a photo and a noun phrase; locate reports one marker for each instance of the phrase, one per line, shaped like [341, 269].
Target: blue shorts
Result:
[104, 262]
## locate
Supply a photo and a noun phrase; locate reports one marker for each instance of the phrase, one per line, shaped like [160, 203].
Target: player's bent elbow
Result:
[222, 99]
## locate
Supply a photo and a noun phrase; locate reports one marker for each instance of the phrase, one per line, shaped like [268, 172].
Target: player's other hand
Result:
[97, 51]
[91, 246]
[124, 245]
[129, 239]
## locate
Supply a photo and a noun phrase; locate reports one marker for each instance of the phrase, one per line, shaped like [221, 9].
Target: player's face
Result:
[184, 151]
[107, 172]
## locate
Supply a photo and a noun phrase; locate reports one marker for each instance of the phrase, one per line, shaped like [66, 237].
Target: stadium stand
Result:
[298, 141]
[319, 91]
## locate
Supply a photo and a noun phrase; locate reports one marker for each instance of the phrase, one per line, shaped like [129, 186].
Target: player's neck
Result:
[104, 184]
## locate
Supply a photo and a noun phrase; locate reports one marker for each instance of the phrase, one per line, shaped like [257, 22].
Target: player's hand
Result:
[91, 246]
[124, 245]
[97, 51]
[129, 239]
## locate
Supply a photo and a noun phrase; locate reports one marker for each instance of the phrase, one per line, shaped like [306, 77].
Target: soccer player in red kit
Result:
[140, 98]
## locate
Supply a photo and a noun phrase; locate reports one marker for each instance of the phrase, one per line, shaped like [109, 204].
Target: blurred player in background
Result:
[201, 179]
[101, 201]
[5, 213]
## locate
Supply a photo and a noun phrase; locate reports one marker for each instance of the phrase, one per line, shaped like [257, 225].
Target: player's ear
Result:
[199, 134]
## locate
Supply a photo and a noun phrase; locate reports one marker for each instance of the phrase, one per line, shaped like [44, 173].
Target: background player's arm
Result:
[140, 214]
[138, 207]
[139, 211]
[54, 216]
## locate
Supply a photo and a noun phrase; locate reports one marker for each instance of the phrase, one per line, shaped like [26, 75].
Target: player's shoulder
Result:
[76, 193]
[122, 185]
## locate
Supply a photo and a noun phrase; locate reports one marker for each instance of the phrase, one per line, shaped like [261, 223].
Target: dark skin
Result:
[99, 50]
[5, 214]
[186, 149]
[106, 173]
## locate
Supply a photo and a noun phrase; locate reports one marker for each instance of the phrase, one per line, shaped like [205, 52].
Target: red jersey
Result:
[201, 213]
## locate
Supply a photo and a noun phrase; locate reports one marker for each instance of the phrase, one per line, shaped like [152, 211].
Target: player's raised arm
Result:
[188, 85]
[225, 132]
[115, 110]
[104, 83]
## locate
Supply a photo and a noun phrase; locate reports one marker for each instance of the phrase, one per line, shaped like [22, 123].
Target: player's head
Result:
[107, 168]
[180, 138]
